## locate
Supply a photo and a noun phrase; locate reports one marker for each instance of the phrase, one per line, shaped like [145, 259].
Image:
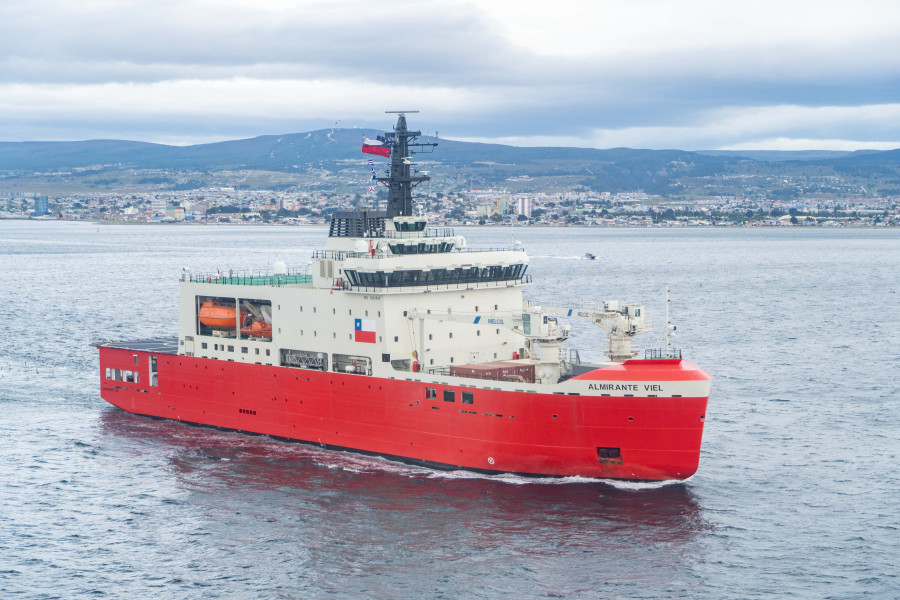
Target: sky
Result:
[688, 74]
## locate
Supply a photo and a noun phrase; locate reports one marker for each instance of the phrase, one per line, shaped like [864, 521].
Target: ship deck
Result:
[163, 345]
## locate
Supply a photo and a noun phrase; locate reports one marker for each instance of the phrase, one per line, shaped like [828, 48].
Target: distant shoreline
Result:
[474, 225]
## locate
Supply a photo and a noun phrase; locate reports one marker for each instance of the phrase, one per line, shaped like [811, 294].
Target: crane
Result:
[540, 326]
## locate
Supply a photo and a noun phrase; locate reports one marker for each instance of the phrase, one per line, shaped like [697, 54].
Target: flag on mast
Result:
[375, 147]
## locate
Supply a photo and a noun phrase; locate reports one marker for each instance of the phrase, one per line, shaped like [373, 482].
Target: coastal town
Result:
[471, 207]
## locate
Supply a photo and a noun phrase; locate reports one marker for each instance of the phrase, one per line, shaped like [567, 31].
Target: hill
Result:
[468, 164]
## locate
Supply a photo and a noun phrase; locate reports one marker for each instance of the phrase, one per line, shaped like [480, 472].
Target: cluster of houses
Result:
[482, 207]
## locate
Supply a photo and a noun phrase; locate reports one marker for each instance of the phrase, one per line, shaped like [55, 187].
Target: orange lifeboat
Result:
[258, 329]
[219, 316]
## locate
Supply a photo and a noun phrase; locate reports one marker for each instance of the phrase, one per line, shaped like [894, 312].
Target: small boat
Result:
[589, 256]
[219, 316]
[259, 329]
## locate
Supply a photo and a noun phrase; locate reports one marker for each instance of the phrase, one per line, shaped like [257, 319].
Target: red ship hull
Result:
[654, 438]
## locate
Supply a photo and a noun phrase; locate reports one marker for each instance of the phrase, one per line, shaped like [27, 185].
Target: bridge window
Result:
[416, 277]
[409, 226]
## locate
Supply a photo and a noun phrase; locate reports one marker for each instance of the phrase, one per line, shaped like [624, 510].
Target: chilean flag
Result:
[373, 147]
[364, 330]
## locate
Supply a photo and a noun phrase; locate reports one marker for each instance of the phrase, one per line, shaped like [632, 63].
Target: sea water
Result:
[796, 495]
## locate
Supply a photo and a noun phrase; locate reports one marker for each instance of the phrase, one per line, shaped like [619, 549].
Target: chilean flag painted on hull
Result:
[364, 330]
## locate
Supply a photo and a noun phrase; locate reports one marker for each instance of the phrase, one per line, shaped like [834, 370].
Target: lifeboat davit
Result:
[258, 329]
[219, 316]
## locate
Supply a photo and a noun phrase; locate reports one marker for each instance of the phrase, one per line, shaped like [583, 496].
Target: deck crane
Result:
[540, 326]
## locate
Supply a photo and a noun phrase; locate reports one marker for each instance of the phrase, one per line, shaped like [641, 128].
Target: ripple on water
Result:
[794, 496]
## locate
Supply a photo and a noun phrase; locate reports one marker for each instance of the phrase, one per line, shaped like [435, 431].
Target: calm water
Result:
[797, 492]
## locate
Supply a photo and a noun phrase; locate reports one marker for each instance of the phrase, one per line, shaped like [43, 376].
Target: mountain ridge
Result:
[666, 172]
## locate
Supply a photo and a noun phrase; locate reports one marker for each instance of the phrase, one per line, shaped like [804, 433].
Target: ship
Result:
[398, 340]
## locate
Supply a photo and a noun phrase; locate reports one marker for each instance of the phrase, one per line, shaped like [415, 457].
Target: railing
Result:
[256, 277]
[345, 254]
[661, 354]
[482, 376]
[429, 232]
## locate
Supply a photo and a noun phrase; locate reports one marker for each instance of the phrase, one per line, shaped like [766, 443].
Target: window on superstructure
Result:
[430, 393]
[108, 372]
[244, 350]
[203, 345]
[449, 396]
[231, 348]
[135, 359]
[468, 398]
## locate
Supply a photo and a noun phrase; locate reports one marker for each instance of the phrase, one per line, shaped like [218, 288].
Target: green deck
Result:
[268, 280]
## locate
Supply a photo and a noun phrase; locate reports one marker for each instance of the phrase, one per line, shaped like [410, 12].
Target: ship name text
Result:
[625, 387]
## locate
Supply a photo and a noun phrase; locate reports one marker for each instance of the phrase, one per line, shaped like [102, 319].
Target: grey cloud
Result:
[441, 45]
[426, 40]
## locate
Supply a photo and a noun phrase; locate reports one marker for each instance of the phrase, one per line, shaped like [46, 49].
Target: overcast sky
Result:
[689, 74]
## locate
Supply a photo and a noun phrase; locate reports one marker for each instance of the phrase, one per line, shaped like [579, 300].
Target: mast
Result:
[401, 181]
